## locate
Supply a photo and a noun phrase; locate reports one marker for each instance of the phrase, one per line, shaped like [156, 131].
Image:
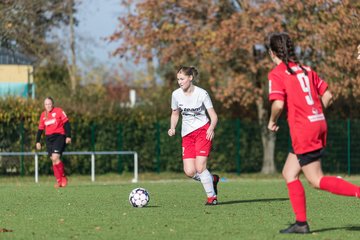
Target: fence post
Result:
[136, 168]
[120, 146]
[93, 167]
[157, 147]
[237, 125]
[36, 167]
[348, 146]
[22, 148]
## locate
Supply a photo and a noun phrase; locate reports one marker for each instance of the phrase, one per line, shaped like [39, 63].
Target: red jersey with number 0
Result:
[53, 122]
[305, 116]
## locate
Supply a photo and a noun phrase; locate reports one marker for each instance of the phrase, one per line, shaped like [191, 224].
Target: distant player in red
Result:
[303, 93]
[57, 134]
[197, 131]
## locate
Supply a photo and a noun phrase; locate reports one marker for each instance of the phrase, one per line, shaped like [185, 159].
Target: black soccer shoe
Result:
[216, 179]
[296, 228]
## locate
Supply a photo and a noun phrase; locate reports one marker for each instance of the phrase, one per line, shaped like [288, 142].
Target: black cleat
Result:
[296, 228]
[212, 201]
[216, 179]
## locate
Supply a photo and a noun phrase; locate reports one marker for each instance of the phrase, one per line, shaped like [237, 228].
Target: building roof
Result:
[8, 56]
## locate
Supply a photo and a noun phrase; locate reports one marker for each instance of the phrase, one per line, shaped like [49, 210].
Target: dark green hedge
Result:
[237, 145]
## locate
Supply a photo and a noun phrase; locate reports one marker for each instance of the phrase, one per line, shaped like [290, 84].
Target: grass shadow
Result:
[254, 200]
[348, 228]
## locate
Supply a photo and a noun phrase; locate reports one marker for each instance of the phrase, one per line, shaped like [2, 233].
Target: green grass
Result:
[250, 208]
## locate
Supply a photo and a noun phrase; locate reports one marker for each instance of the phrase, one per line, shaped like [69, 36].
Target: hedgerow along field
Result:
[249, 208]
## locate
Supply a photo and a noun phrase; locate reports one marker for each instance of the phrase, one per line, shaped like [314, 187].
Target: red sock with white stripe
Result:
[297, 199]
[339, 186]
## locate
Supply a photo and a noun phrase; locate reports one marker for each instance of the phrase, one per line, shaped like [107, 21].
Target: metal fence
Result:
[92, 159]
[237, 147]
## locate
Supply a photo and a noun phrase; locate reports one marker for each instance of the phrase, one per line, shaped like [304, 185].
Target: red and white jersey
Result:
[192, 108]
[305, 115]
[53, 122]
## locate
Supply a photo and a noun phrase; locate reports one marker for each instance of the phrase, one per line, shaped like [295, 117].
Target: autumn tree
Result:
[324, 32]
[226, 40]
[327, 34]
[25, 25]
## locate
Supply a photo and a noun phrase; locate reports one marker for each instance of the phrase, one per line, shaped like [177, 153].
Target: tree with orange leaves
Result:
[225, 39]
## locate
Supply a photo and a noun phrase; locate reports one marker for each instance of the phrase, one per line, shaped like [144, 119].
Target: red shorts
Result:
[195, 143]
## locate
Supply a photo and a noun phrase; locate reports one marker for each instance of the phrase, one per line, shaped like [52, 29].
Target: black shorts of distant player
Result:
[55, 143]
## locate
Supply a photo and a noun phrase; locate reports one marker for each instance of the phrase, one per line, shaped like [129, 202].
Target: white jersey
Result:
[192, 108]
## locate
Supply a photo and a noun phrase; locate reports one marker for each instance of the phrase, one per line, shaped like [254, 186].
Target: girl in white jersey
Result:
[197, 132]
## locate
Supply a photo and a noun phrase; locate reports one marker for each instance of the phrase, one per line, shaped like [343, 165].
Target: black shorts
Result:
[55, 143]
[310, 157]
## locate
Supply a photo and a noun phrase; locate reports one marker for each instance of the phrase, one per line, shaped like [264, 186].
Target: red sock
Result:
[60, 168]
[56, 173]
[297, 199]
[339, 186]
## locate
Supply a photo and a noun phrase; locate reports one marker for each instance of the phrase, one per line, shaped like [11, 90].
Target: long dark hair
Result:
[282, 46]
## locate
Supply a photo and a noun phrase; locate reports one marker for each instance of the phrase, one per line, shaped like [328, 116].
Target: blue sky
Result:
[97, 20]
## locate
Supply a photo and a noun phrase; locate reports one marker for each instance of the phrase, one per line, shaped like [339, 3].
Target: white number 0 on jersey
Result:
[305, 85]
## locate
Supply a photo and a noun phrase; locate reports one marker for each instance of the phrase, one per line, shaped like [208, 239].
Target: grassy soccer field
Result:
[249, 209]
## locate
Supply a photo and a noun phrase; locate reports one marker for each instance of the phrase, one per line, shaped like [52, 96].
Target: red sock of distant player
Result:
[297, 199]
[60, 167]
[339, 186]
[56, 173]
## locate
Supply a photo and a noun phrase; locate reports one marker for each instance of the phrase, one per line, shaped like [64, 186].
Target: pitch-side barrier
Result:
[92, 154]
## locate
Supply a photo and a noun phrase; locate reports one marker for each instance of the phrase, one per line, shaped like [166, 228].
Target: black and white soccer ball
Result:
[139, 197]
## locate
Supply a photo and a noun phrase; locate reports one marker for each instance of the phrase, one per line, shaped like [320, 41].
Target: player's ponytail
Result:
[284, 41]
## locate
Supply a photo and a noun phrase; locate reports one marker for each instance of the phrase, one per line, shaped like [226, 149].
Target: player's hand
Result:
[68, 140]
[210, 134]
[171, 132]
[272, 126]
[38, 146]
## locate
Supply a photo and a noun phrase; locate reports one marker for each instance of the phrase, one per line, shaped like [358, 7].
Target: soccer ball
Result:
[139, 197]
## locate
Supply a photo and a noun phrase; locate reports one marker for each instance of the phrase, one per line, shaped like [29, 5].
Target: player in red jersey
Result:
[57, 134]
[197, 132]
[303, 93]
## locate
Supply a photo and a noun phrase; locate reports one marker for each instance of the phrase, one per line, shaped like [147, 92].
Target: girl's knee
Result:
[189, 173]
[55, 158]
[289, 177]
[200, 169]
[314, 183]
